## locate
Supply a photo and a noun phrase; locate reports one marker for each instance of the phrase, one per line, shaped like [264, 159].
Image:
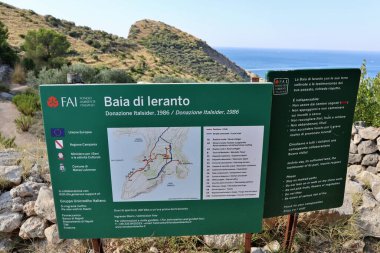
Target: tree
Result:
[46, 48]
[368, 100]
[7, 55]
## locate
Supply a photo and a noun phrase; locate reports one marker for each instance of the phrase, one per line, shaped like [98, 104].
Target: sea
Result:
[259, 61]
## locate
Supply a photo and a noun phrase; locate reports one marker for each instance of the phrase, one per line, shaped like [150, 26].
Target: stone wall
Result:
[365, 149]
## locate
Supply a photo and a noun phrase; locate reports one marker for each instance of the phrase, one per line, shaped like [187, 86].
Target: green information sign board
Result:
[312, 114]
[157, 160]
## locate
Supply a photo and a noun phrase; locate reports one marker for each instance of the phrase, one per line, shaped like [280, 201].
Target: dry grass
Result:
[162, 244]
[34, 154]
[4, 184]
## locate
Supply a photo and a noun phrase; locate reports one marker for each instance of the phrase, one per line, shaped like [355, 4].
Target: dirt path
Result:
[8, 114]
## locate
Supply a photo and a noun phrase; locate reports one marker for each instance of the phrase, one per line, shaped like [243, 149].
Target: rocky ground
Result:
[27, 217]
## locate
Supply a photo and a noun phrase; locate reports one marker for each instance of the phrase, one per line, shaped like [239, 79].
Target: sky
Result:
[293, 24]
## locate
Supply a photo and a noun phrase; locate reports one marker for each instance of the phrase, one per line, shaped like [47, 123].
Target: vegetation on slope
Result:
[142, 55]
[196, 57]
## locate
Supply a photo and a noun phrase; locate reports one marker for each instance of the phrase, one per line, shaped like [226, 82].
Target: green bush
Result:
[7, 142]
[88, 75]
[27, 103]
[7, 54]
[368, 100]
[114, 76]
[171, 79]
[24, 122]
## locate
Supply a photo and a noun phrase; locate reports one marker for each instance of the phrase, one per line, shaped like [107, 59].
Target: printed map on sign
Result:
[155, 164]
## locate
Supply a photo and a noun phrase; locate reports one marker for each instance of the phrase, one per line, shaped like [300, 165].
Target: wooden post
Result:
[97, 246]
[247, 243]
[291, 228]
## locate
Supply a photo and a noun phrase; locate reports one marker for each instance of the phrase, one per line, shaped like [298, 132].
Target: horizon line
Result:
[299, 49]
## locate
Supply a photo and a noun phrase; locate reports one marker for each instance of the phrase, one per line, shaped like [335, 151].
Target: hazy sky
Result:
[306, 24]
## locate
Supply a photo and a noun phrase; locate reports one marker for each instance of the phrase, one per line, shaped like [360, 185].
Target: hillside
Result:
[152, 48]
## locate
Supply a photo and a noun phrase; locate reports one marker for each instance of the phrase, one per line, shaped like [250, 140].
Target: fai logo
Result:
[52, 102]
[280, 86]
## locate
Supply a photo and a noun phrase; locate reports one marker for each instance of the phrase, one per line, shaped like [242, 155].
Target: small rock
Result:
[368, 201]
[10, 221]
[273, 246]
[346, 209]
[369, 133]
[354, 130]
[354, 158]
[367, 178]
[33, 227]
[357, 139]
[353, 187]
[367, 147]
[378, 143]
[372, 169]
[353, 170]
[153, 250]
[51, 234]
[9, 157]
[28, 208]
[11, 174]
[6, 96]
[27, 189]
[224, 242]
[44, 205]
[370, 160]
[367, 222]
[17, 204]
[375, 187]
[353, 246]
[353, 148]
[5, 202]
[256, 250]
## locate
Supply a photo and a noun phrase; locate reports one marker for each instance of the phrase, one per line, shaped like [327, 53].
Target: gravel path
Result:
[8, 114]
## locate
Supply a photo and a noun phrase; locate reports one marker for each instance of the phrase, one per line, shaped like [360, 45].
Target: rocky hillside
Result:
[152, 48]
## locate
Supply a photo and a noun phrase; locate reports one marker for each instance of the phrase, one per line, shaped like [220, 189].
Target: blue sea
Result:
[259, 61]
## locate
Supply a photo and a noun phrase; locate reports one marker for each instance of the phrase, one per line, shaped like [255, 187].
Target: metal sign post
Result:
[97, 245]
[247, 242]
[291, 228]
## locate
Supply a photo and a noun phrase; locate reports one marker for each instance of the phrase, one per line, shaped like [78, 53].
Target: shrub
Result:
[7, 142]
[24, 122]
[171, 79]
[46, 47]
[18, 75]
[87, 73]
[27, 103]
[368, 100]
[114, 76]
[28, 64]
[7, 54]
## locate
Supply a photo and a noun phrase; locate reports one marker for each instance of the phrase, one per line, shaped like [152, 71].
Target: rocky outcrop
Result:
[10, 221]
[224, 242]
[27, 189]
[364, 171]
[51, 234]
[44, 205]
[9, 157]
[11, 174]
[33, 227]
